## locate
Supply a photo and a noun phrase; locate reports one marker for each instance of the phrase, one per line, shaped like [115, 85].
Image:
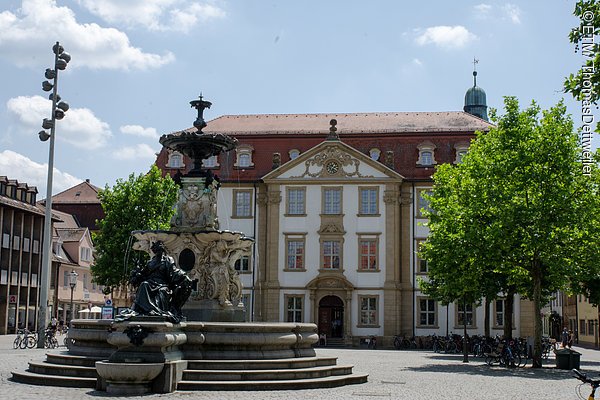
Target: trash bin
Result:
[567, 359]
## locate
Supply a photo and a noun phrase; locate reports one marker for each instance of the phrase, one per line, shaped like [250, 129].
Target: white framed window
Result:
[426, 154]
[294, 153]
[368, 254]
[210, 162]
[242, 203]
[4, 277]
[296, 201]
[14, 278]
[375, 154]
[242, 265]
[461, 313]
[175, 160]
[243, 157]
[26, 243]
[368, 201]
[36, 246]
[368, 310]
[332, 200]
[422, 202]
[85, 254]
[34, 278]
[331, 253]
[461, 150]
[427, 312]
[294, 253]
[16, 242]
[422, 265]
[5, 241]
[24, 279]
[85, 281]
[500, 313]
[294, 308]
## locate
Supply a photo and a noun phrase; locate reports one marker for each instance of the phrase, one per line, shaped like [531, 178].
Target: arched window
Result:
[244, 156]
[294, 153]
[426, 154]
[175, 160]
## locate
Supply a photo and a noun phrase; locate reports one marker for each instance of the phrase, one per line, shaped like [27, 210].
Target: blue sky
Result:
[137, 63]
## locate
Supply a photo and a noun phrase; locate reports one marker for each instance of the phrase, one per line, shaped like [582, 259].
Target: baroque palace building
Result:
[334, 204]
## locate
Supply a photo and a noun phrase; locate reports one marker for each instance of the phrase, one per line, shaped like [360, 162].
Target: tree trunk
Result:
[486, 318]
[508, 313]
[536, 274]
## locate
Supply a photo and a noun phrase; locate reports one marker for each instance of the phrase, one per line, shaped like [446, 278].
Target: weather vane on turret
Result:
[475, 62]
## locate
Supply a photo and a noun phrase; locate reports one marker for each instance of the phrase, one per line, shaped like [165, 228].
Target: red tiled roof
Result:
[85, 192]
[380, 122]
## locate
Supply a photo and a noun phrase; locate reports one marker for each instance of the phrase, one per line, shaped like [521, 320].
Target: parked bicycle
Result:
[50, 341]
[594, 383]
[25, 339]
[404, 343]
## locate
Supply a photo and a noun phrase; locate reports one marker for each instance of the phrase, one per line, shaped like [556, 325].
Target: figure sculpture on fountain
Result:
[162, 287]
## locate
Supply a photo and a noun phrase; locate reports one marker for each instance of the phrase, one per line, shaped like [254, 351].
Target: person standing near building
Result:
[565, 337]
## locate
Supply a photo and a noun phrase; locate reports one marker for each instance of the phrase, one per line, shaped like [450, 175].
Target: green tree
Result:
[584, 85]
[522, 204]
[139, 203]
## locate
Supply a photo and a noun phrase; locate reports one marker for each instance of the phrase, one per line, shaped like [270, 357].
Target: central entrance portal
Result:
[331, 317]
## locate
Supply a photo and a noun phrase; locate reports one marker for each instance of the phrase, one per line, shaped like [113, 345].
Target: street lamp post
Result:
[72, 283]
[61, 59]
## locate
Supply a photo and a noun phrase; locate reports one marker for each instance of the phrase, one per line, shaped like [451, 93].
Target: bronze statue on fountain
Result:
[161, 287]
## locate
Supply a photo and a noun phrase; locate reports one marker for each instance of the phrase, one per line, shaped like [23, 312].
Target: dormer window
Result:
[244, 157]
[461, 151]
[175, 160]
[294, 153]
[426, 154]
[210, 162]
[375, 154]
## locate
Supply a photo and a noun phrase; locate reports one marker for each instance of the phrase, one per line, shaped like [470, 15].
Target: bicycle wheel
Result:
[451, 347]
[54, 342]
[17, 343]
[397, 343]
[490, 360]
[31, 342]
[23, 343]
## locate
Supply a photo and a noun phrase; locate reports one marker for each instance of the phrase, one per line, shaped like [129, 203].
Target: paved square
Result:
[415, 375]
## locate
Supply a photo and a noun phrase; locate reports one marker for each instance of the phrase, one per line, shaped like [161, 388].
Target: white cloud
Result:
[447, 37]
[33, 174]
[137, 130]
[156, 15]
[27, 33]
[138, 152]
[483, 9]
[417, 62]
[513, 13]
[80, 127]
[508, 11]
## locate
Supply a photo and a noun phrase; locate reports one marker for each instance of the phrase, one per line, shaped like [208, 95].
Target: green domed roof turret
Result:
[475, 101]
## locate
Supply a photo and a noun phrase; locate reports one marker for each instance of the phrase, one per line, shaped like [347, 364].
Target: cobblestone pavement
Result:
[415, 375]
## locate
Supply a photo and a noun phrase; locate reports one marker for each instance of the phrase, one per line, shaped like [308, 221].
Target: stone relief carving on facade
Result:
[349, 165]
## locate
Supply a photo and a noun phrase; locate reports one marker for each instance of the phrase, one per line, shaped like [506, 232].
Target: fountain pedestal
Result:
[147, 357]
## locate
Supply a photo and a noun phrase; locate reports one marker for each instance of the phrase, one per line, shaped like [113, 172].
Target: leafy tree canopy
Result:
[517, 213]
[138, 203]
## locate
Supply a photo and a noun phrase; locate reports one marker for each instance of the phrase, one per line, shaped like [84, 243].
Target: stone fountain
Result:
[185, 330]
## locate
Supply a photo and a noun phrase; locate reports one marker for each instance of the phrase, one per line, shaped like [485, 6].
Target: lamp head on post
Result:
[73, 279]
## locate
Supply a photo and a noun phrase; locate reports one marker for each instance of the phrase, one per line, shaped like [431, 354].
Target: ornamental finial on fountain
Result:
[200, 105]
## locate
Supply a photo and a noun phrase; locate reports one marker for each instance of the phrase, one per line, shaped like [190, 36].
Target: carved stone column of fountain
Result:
[206, 253]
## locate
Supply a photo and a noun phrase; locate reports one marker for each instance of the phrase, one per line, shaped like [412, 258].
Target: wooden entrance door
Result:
[331, 317]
